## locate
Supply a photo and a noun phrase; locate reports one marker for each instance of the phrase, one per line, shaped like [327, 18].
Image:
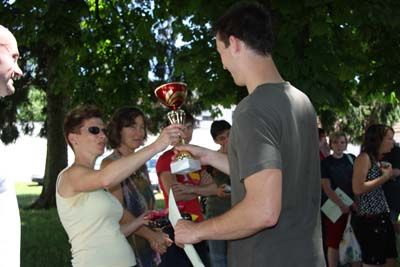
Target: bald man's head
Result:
[9, 68]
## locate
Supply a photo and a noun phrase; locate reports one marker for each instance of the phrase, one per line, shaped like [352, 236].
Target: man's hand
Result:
[206, 156]
[186, 233]
[198, 152]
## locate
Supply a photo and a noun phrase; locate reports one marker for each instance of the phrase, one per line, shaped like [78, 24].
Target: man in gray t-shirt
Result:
[273, 156]
[275, 128]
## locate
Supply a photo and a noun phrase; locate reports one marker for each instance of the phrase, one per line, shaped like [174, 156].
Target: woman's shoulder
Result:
[66, 178]
[73, 171]
[364, 159]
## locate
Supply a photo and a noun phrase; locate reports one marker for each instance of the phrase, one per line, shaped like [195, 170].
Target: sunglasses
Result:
[96, 130]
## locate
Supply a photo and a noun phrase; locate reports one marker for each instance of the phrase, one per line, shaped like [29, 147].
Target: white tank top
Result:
[91, 220]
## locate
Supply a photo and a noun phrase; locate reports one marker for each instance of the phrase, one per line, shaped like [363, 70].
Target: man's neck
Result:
[262, 70]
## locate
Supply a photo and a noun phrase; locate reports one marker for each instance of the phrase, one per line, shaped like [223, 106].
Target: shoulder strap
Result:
[350, 159]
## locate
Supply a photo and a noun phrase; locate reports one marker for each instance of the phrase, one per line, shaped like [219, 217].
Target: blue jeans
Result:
[218, 253]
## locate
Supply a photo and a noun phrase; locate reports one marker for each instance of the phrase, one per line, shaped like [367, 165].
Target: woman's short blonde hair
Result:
[335, 136]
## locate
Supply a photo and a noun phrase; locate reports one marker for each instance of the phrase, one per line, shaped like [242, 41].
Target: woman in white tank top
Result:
[90, 215]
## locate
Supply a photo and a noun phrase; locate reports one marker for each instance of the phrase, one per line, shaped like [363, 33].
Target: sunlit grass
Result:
[44, 242]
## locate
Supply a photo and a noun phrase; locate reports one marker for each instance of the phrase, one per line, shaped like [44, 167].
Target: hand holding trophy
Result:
[172, 95]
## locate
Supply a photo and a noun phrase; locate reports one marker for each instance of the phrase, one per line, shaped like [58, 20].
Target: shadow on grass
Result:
[44, 242]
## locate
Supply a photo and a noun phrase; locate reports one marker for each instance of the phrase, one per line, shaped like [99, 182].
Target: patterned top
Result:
[373, 202]
[138, 197]
[137, 193]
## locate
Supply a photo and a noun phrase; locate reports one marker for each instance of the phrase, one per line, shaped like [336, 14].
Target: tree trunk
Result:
[56, 158]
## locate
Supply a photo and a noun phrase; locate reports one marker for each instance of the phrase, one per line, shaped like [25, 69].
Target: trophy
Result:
[172, 95]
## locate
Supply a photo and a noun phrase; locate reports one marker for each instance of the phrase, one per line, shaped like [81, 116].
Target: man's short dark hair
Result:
[321, 133]
[218, 127]
[251, 23]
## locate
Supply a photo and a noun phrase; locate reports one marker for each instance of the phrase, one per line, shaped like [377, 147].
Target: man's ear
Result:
[235, 44]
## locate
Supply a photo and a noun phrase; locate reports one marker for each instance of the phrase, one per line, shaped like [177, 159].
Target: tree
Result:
[48, 35]
[114, 53]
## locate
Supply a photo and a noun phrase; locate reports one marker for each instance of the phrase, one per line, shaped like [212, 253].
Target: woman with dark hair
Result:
[372, 225]
[126, 132]
[89, 214]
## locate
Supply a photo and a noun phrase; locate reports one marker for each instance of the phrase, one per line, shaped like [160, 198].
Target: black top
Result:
[339, 171]
[392, 187]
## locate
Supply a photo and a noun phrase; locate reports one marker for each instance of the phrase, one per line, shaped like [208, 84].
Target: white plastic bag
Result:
[349, 249]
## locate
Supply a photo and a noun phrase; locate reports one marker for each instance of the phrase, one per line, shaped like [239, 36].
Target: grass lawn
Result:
[44, 242]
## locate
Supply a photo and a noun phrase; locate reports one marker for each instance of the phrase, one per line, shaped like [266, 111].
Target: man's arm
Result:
[207, 156]
[259, 209]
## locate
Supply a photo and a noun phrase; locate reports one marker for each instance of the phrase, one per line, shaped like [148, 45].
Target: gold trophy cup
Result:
[172, 95]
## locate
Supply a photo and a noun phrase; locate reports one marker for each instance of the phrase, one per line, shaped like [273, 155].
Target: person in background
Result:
[273, 156]
[89, 214]
[127, 131]
[186, 189]
[10, 224]
[337, 172]
[392, 187]
[371, 223]
[324, 149]
[221, 202]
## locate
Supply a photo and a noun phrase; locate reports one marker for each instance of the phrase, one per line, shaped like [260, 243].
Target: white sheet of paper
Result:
[331, 210]
[174, 215]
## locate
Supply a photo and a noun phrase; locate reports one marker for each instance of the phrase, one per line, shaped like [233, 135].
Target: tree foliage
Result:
[112, 53]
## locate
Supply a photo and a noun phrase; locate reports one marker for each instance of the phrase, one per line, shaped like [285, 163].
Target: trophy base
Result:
[185, 165]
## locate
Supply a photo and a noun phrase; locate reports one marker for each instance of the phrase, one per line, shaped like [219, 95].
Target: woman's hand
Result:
[169, 135]
[345, 209]
[159, 241]
[143, 219]
[386, 169]
[131, 227]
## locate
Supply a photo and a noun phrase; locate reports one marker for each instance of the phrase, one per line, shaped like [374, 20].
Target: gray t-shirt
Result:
[275, 127]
